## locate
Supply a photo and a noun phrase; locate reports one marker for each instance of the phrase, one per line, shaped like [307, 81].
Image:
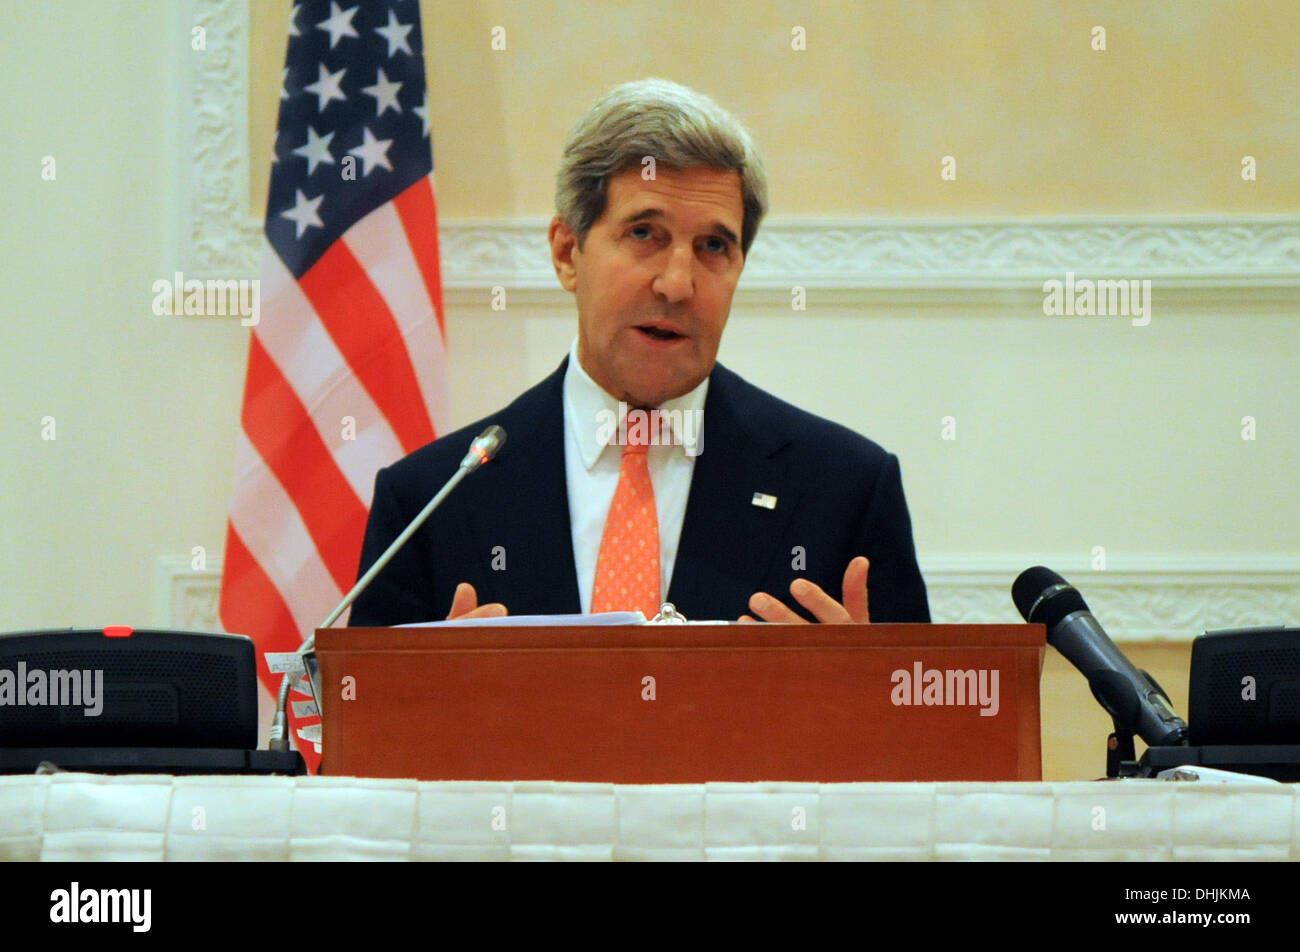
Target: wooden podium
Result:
[682, 703]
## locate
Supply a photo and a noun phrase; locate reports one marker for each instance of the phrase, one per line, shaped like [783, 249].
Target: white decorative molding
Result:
[847, 254]
[1243, 259]
[217, 235]
[1155, 600]
[184, 598]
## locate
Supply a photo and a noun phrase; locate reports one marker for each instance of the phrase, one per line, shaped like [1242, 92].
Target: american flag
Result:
[346, 366]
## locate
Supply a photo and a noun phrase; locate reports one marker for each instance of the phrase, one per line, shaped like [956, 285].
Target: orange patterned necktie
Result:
[627, 567]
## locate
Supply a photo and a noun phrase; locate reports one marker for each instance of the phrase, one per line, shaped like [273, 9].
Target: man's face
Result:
[654, 280]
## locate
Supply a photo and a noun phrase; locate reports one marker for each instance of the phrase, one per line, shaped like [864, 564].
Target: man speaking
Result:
[641, 470]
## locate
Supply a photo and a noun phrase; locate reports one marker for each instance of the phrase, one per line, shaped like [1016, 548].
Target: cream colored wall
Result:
[1070, 434]
[857, 122]
[144, 407]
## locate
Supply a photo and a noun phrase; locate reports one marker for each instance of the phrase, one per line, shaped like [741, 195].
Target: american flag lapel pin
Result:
[764, 501]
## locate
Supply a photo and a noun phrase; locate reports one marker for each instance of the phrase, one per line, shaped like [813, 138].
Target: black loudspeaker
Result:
[1245, 687]
[118, 700]
[158, 689]
[1243, 706]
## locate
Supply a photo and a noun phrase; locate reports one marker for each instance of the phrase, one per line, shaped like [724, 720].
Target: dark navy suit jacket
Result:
[506, 528]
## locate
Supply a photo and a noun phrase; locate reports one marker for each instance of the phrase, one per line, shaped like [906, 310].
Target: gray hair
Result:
[676, 125]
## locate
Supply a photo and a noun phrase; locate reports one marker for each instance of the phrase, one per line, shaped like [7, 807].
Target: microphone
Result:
[1131, 697]
[484, 448]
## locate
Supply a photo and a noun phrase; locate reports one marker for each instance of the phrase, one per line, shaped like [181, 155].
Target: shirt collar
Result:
[594, 415]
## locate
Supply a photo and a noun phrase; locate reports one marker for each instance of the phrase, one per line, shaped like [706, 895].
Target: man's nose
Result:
[675, 281]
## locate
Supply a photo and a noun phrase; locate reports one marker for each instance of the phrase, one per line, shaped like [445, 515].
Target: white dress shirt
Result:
[592, 464]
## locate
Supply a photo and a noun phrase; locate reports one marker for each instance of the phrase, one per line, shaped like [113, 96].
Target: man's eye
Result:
[717, 245]
[641, 231]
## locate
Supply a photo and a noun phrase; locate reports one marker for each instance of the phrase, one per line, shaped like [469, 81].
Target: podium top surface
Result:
[731, 636]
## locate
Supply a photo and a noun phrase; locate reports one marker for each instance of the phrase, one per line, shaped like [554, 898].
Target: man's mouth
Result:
[657, 332]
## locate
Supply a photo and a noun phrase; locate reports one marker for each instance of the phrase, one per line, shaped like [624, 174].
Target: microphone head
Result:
[1043, 596]
[485, 447]
[489, 442]
[1030, 584]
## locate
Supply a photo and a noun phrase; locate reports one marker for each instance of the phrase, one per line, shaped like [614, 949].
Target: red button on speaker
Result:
[118, 631]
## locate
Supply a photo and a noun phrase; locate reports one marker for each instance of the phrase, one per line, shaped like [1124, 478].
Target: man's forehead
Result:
[696, 190]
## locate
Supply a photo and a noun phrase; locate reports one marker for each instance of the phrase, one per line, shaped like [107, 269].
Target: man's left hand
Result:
[811, 596]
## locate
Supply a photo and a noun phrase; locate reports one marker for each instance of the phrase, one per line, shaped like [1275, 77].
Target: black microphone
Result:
[484, 448]
[1131, 697]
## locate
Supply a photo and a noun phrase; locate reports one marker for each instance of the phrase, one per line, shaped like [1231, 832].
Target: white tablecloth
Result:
[88, 817]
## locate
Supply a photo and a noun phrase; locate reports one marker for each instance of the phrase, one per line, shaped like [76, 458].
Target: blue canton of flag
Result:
[353, 126]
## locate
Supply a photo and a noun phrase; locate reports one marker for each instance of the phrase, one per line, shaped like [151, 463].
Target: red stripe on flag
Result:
[418, 210]
[251, 605]
[363, 328]
[284, 436]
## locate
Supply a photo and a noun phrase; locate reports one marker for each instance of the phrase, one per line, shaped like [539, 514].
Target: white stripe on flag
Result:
[267, 520]
[296, 340]
[379, 243]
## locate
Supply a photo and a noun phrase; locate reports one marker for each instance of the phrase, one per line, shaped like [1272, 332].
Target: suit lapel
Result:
[728, 544]
[532, 505]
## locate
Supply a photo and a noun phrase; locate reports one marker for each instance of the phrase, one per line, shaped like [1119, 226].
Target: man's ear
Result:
[563, 243]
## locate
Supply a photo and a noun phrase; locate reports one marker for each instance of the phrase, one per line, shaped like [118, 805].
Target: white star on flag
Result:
[303, 214]
[284, 75]
[423, 112]
[316, 150]
[293, 21]
[327, 88]
[339, 24]
[385, 93]
[395, 34]
[372, 152]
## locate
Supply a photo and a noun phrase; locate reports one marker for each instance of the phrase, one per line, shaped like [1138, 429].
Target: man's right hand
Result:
[464, 604]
